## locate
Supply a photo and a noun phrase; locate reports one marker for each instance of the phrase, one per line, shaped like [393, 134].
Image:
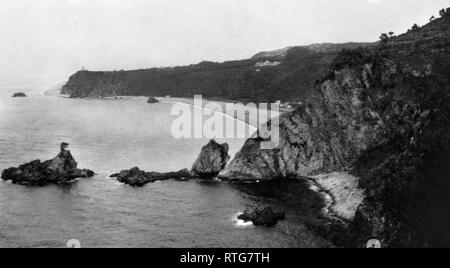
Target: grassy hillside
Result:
[289, 75]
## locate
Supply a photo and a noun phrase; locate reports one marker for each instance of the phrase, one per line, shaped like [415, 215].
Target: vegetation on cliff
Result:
[298, 70]
[381, 114]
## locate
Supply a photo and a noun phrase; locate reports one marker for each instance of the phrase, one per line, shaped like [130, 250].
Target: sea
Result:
[107, 136]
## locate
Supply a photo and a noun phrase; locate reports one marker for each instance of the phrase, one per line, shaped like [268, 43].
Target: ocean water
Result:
[108, 136]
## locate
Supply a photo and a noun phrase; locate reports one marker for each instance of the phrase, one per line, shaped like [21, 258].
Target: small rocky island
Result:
[212, 159]
[62, 169]
[266, 217]
[138, 178]
[19, 95]
[152, 100]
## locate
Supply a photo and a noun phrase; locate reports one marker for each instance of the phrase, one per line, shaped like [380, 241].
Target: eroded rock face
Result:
[266, 217]
[324, 136]
[138, 178]
[212, 159]
[37, 173]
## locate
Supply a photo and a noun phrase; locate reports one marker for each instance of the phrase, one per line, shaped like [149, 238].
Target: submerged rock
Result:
[266, 217]
[62, 169]
[19, 95]
[212, 159]
[138, 178]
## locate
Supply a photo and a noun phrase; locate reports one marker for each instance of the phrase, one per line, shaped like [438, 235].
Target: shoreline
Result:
[340, 192]
[335, 209]
[206, 102]
[174, 100]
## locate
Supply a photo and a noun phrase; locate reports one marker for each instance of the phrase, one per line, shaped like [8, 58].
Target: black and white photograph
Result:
[243, 126]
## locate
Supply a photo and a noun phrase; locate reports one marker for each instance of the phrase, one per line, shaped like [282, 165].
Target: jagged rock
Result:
[326, 135]
[212, 159]
[19, 95]
[262, 217]
[152, 100]
[61, 169]
[138, 178]
[210, 162]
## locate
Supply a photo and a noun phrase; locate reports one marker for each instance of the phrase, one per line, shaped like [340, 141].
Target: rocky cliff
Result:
[381, 115]
[266, 77]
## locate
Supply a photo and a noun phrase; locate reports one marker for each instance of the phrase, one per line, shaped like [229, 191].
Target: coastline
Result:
[189, 101]
[334, 210]
[341, 193]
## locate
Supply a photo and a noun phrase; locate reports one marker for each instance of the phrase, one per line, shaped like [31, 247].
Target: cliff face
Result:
[341, 120]
[289, 75]
[382, 114]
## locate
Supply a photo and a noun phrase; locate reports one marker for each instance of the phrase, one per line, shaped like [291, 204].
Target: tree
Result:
[415, 27]
[432, 18]
[384, 38]
[444, 12]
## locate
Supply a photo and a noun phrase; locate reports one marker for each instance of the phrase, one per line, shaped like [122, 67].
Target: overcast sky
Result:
[51, 39]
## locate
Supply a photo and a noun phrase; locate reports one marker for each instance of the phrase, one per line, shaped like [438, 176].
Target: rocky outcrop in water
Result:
[266, 217]
[19, 95]
[152, 100]
[138, 178]
[62, 169]
[381, 115]
[210, 162]
[212, 159]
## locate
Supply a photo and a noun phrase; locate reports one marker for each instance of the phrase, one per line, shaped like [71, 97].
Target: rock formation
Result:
[210, 162]
[212, 159]
[266, 217]
[61, 169]
[138, 178]
[19, 95]
[152, 100]
[382, 115]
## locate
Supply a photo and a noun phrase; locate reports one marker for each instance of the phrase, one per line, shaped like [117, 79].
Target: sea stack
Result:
[212, 159]
[61, 169]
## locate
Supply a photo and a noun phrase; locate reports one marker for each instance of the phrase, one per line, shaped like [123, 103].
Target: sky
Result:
[45, 41]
